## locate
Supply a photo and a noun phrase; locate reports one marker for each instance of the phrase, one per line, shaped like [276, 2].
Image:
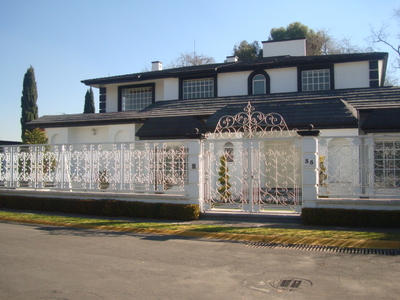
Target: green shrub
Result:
[351, 217]
[109, 207]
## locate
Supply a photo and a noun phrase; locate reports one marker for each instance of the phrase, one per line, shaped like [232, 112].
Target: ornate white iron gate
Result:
[251, 163]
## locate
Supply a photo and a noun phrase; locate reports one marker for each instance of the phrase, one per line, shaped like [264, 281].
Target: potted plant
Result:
[322, 176]
[167, 184]
[103, 181]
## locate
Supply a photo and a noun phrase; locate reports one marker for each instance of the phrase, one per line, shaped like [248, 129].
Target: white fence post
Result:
[310, 171]
[194, 186]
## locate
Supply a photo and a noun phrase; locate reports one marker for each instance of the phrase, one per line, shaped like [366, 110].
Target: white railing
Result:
[367, 166]
[138, 167]
[349, 167]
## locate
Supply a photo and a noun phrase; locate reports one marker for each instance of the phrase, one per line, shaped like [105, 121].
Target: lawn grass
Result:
[58, 220]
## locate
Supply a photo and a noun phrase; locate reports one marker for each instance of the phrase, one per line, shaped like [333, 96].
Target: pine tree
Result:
[89, 102]
[28, 100]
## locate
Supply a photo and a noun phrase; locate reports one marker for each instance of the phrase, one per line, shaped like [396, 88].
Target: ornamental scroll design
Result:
[251, 123]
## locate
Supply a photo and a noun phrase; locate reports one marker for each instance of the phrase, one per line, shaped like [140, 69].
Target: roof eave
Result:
[272, 62]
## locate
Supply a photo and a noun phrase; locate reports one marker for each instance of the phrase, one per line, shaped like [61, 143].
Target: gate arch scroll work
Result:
[260, 169]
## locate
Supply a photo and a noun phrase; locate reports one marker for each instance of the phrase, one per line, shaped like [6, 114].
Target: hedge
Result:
[351, 217]
[108, 207]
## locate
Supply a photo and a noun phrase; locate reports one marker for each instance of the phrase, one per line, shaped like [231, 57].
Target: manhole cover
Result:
[290, 283]
[259, 283]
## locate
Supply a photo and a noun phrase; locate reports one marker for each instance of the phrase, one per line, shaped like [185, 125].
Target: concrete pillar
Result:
[310, 170]
[194, 187]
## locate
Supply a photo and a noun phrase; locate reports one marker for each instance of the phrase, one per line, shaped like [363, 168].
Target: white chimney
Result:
[156, 65]
[231, 59]
[295, 47]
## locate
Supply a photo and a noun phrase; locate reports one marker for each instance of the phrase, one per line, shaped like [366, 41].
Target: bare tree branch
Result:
[382, 36]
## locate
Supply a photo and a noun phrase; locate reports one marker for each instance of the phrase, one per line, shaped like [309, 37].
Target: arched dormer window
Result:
[258, 83]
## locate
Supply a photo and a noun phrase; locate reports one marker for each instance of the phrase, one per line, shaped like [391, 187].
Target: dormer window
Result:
[258, 83]
[135, 97]
[198, 88]
[316, 80]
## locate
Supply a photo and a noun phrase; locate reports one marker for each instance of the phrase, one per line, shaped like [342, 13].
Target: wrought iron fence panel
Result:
[226, 174]
[279, 172]
[171, 165]
[367, 166]
[252, 175]
[339, 165]
[139, 166]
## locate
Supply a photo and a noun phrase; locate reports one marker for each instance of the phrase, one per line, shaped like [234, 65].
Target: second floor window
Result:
[136, 98]
[258, 84]
[315, 80]
[198, 88]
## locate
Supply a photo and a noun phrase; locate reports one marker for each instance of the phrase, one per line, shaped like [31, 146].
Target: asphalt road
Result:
[43, 262]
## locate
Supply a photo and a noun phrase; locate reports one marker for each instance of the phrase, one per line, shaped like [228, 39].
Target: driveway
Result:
[44, 262]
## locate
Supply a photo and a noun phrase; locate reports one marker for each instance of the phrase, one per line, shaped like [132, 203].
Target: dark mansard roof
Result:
[324, 109]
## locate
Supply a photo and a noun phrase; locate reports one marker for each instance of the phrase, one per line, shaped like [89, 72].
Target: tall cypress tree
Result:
[89, 102]
[28, 100]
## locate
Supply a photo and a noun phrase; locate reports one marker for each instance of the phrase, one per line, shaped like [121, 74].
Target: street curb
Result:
[345, 243]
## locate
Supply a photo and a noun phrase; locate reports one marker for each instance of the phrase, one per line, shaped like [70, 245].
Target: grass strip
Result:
[266, 234]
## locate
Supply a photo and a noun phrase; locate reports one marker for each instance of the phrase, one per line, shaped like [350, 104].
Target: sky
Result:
[69, 41]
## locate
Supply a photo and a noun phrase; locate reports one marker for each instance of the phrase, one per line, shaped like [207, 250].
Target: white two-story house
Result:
[355, 117]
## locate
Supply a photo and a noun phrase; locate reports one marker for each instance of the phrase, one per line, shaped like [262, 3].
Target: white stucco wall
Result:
[283, 80]
[233, 84]
[339, 132]
[351, 75]
[171, 89]
[57, 135]
[84, 134]
[122, 133]
[77, 135]
[159, 93]
[112, 98]
[380, 66]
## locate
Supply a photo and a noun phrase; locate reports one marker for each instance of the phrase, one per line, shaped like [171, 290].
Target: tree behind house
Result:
[382, 36]
[297, 30]
[28, 100]
[191, 59]
[247, 52]
[89, 102]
